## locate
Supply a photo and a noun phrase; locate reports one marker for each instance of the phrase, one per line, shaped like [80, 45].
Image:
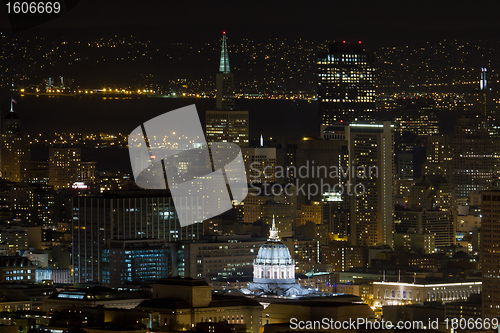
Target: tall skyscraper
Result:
[472, 149]
[15, 156]
[346, 85]
[121, 215]
[226, 124]
[490, 253]
[371, 162]
[64, 167]
[224, 81]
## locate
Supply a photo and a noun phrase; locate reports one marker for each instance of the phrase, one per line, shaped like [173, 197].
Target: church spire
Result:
[224, 57]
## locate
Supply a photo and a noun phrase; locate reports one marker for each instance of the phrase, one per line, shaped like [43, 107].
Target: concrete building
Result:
[136, 261]
[223, 257]
[490, 238]
[371, 164]
[181, 303]
[121, 215]
[260, 164]
[93, 297]
[346, 83]
[64, 167]
[398, 293]
[15, 150]
[440, 223]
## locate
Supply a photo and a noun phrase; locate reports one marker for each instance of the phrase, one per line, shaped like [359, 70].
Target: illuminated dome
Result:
[274, 253]
[274, 264]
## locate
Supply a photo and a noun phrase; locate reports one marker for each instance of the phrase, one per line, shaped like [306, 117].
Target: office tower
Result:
[15, 149]
[343, 256]
[314, 166]
[404, 166]
[346, 83]
[260, 164]
[440, 223]
[136, 261]
[87, 172]
[433, 193]
[472, 149]
[64, 167]
[417, 116]
[439, 156]
[121, 215]
[371, 165]
[225, 123]
[224, 81]
[490, 243]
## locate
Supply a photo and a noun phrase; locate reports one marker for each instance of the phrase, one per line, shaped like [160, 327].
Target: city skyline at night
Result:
[370, 138]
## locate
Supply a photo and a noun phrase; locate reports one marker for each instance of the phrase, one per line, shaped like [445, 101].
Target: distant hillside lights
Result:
[330, 179]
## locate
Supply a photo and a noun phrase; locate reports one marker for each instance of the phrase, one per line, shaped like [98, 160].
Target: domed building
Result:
[274, 269]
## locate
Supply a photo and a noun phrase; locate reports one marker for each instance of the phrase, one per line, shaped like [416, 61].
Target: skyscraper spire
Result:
[11, 107]
[224, 57]
[261, 140]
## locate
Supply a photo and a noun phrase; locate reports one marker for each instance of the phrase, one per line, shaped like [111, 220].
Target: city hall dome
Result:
[274, 253]
[274, 264]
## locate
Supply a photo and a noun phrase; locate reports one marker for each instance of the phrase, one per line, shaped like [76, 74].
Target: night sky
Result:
[388, 19]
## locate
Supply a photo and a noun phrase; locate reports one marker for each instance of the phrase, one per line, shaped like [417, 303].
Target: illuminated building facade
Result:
[121, 215]
[346, 83]
[371, 183]
[260, 164]
[224, 257]
[274, 269]
[15, 158]
[225, 124]
[397, 293]
[133, 261]
[472, 155]
[490, 243]
[440, 223]
[64, 167]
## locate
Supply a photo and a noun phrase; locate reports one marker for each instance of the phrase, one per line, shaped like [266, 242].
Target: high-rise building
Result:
[135, 261]
[439, 156]
[371, 162]
[432, 193]
[225, 123]
[15, 150]
[313, 164]
[87, 172]
[64, 167]
[121, 215]
[490, 243]
[440, 223]
[346, 83]
[472, 150]
[260, 164]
